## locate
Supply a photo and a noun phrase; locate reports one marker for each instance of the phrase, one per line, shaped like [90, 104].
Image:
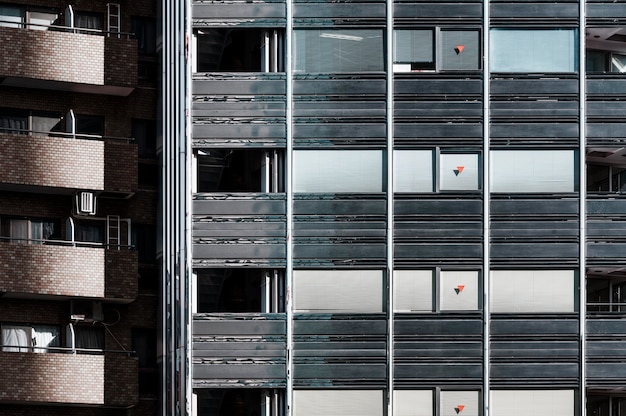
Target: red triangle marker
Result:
[459, 408]
[459, 49]
[459, 289]
[460, 168]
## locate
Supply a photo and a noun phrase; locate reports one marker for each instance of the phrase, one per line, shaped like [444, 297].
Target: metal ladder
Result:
[113, 231]
[113, 19]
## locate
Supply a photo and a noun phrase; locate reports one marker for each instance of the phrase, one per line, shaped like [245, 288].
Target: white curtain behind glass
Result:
[45, 336]
[16, 338]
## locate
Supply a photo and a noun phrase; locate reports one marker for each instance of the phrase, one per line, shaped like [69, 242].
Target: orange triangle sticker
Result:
[459, 408]
[459, 49]
[460, 168]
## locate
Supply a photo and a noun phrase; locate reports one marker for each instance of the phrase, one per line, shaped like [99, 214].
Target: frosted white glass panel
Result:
[462, 403]
[337, 51]
[532, 402]
[520, 291]
[16, 338]
[338, 403]
[412, 403]
[458, 290]
[458, 172]
[533, 50]
[460, 50]
[338, 171]
[413, 170]
[337, 291]
[413, 290]
[415, 48]
[532, 171]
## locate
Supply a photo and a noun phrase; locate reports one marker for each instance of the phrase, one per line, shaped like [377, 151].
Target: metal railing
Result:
[606, 307]
[29, 132]
[66, 29]
[70, 350]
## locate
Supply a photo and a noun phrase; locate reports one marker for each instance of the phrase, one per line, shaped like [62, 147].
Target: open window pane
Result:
[458, 172]
[338, 170]
[533, 50]
[532, 402]
[532, 291]
[332, 50]
[338, 402]
[338, 291]
[532, 171]
[412, 403]
[460, 50]
[413, 290]
[458, 290]
[45, 337]
[413, 170]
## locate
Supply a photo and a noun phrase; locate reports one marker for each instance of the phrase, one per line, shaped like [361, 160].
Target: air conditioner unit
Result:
[86, 311]
[86, 203]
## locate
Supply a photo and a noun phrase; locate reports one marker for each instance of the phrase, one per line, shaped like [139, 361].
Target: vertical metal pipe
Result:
[583, 207]
[486, 210]
[289, 202]
[390, 222]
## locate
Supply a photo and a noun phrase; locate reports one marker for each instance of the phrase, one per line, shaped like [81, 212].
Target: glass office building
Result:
[410, 207]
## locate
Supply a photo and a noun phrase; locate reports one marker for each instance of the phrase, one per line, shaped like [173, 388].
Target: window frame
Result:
[438, 64]
[439, 277]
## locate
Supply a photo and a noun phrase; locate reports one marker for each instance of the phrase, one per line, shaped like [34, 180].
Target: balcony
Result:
[61, 59]
[67, 163]
[68, 271]
[81, 379]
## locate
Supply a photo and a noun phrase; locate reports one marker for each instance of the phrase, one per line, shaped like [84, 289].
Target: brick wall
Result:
[55, 378]
[52, 161]
[120, 63]
[52, 270]
[121, 274]
[54, 56]
[120, 164]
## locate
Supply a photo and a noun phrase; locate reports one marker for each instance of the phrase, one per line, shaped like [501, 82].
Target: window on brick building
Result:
[29, 231]
[144, 29]
[30, 338]
[86, 338]
[15, 121]
[144, 133]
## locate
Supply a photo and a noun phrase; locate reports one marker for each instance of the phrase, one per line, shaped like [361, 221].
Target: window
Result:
[86, 20]
[337, 51]
[516, 171]
[413, 171]
[533, 50]
[239, 402]
[338, 171]
[338, 402]
[458, 172]
[89, 125]
[605, 61]
[89, 232]
[532, 402]
[83, 337]
[144, 133]
[16, 121]
[606, 294]
[243, 170]
[27, 338]
[239, 50]
[144, 343]
[606, 178]
[413, 403]
[239, 290]
[26, 231]
[338, 291]
[418, 50]
[453, 402]
[533, 291]
[144, 239]
[438, 290]
[144, 29]
[602, 404]
[12, 16]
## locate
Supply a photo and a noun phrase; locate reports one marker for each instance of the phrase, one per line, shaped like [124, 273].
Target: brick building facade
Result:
[78, 202]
